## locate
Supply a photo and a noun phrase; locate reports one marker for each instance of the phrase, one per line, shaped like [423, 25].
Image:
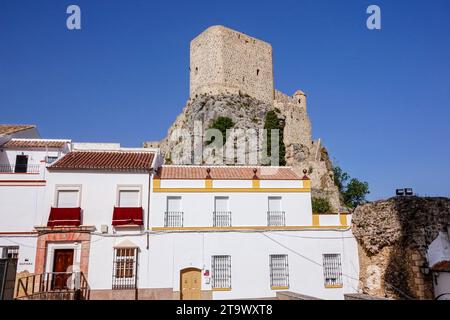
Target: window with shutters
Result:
[173, 215]
[221, 272]
[332, 270]
[275, 215]
[222, 214]
[124, 268]
[129, 198]
[67, 198]
[279, 271]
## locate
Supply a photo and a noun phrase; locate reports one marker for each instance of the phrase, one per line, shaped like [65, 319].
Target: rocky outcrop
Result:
[393, 237]
[249, 113]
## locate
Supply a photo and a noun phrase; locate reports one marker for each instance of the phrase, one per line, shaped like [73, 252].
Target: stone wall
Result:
[393, 237]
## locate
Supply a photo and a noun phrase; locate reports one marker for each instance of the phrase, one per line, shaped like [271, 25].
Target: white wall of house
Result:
[98, 193]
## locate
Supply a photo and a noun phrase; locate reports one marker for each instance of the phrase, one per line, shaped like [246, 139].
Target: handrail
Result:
[19, 168]
[54, 282]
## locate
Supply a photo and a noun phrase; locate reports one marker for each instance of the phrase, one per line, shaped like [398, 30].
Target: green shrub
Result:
[221, 124]
[321, 205]
[273, 122]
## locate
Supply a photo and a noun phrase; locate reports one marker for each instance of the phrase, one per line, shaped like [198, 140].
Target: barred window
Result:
[173, 216]
[221, 272]
[125, 265]
[279, 271]
[332, 269]
[221, 215]
[9, 252]
[275, 216]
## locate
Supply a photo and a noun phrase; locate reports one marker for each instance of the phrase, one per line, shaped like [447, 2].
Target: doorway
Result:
[63, 259]
[190, 284]
[21, 164]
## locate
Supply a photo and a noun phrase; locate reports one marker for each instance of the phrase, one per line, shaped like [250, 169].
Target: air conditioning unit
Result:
[104, 228]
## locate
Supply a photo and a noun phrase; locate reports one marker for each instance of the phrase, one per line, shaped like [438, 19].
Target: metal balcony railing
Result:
[19, 168]
[222, 219]
[173, 219]
[276, 219]
[54, 285]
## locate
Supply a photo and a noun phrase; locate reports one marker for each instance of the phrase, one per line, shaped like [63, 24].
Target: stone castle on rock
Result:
[231, 75]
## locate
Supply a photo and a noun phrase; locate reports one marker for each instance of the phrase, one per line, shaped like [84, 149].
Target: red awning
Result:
[127, 216]
[64, 217]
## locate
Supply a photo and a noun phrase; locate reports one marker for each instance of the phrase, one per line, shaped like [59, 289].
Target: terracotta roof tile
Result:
[105, 160]
[34, 143]
[13, 128]
[226, 173]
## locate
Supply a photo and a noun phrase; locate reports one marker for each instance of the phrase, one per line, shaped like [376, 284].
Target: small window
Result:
[67, 199]
[9, 252]
[21, 164]
[222, 214]
[257, 72]
[221, 272]
[124, 268]
[174, 215]
[50, 159]
[279, 271]
[332, 270]
[275, 215]
[129, 199]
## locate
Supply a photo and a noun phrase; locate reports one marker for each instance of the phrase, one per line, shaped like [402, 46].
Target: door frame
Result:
[51, 247]
[182, 271]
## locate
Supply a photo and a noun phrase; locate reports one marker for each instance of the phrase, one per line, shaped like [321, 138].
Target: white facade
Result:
[259, 219]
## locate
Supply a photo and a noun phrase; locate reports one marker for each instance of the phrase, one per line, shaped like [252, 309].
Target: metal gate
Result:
[8, 268]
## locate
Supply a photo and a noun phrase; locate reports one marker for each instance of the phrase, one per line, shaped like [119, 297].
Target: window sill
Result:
[280, 288]
[221, 289]
[333, 286]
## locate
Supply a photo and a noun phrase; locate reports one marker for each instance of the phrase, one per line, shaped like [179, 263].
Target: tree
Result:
[354, 192]
[273, 122]
[221, 124]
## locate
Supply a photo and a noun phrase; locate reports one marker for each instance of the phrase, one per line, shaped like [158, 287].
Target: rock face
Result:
[393, 236]
[249, 113]
[231, 75]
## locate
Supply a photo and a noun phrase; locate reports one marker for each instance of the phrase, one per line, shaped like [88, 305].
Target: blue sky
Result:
[379, 100]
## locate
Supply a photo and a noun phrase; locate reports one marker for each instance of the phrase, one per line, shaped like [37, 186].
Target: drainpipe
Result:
[148, 207]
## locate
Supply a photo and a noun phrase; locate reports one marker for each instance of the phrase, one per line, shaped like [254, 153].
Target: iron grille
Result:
[221, 272]
[222, 219]
[276, 219]
[19, 168]
[279, 270]
[173, 219]
[332, 269]
[125, 268]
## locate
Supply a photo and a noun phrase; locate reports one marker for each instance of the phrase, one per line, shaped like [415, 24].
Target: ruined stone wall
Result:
[393, 237]
[226, 61]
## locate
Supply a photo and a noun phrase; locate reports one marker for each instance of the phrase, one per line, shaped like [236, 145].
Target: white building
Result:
[136, 229]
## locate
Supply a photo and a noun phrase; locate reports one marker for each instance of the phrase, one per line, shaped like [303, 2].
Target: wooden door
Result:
[191, 283]
[62, 261]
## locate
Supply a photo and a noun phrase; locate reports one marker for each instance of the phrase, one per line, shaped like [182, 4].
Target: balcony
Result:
[20, 168]
[127, 216]
[222, 219]
[276, 219]
[173, 219]
[64, 217]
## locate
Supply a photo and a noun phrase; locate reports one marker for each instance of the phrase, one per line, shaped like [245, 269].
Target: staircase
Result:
[53, 286]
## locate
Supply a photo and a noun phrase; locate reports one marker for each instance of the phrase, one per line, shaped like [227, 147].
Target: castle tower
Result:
[227, 61]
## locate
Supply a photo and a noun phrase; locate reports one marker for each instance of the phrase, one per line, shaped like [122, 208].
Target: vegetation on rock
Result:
[320, 205]
[272, 122]
[221, 124]
[353, 191]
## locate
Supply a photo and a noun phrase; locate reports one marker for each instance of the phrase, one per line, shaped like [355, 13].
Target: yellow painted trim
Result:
[306, 184]
[316, 220]
[208, 183]
[343, 219]
[261, 228]
[206, 189]
[156, 183]
[221, 289]
[256, 183]
[280, 288]
[333, 286]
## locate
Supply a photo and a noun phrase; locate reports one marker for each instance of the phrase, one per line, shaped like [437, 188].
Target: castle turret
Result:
[227, 61]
